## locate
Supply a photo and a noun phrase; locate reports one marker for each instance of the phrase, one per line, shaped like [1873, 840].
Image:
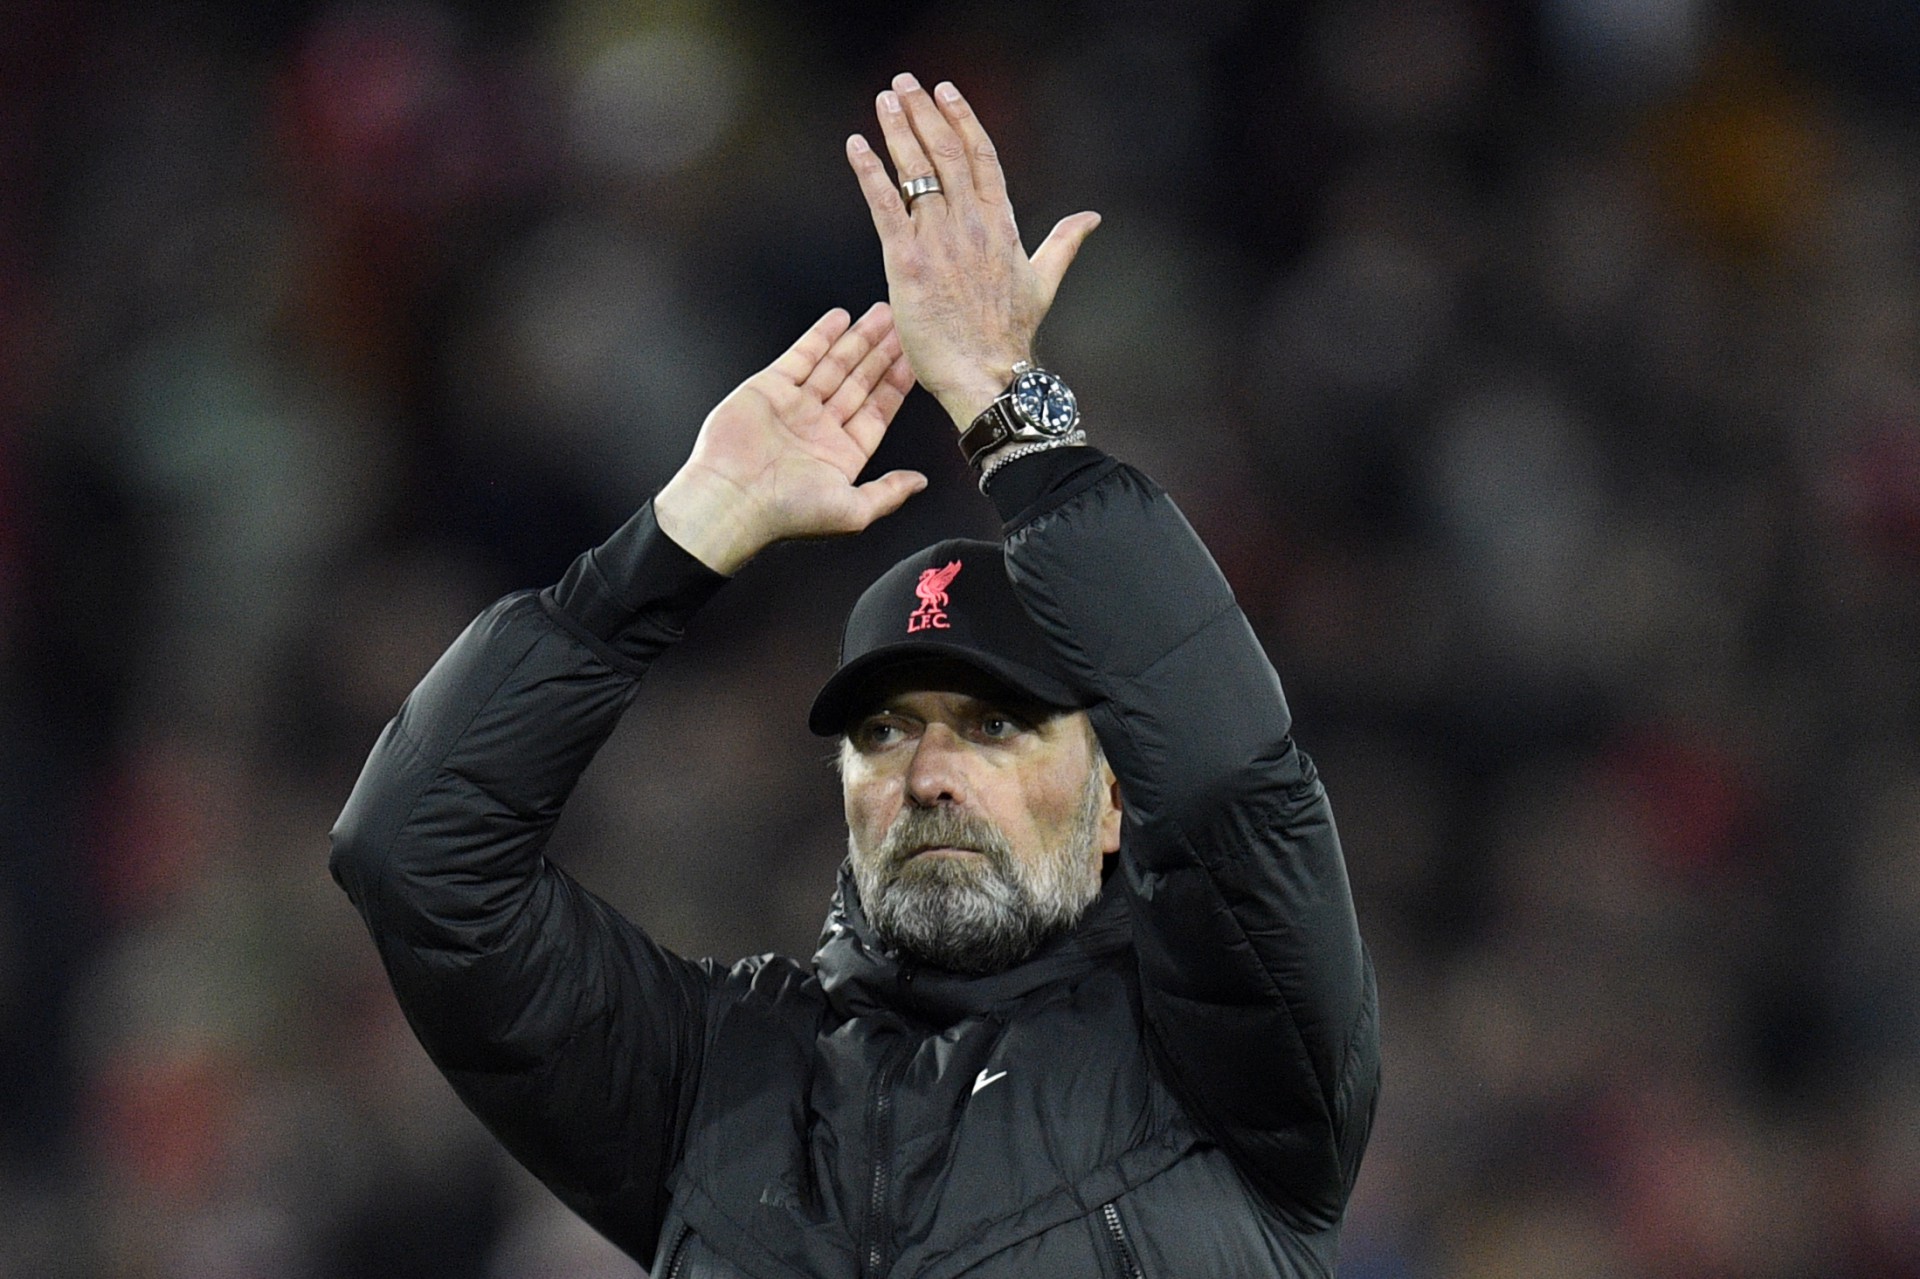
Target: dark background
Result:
[1543, 376]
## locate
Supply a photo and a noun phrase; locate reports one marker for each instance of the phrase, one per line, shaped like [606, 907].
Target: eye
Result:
[997, 726]
[876, 732]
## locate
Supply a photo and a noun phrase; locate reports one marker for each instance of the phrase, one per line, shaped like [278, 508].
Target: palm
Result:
[779, 456]
[797, 452]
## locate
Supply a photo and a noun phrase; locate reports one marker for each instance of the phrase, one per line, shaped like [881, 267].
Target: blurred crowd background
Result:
[1545, 376]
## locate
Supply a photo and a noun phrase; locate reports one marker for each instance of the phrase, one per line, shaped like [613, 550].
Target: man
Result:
[1091, 999]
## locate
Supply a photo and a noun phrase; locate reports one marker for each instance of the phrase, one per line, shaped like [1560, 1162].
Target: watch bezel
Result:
[1049, 387]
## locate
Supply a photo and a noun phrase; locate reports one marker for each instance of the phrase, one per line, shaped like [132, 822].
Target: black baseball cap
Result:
[949, 602]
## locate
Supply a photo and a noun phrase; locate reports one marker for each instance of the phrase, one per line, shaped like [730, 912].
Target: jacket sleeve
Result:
[572, 1035]
[1259, 998]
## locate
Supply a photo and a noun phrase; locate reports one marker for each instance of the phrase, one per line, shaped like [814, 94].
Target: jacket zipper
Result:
[1122, 1250]
[677, 1253]
[873, 1257]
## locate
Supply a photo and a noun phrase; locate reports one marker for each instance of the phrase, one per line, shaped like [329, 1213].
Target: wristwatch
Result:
[1036, 408]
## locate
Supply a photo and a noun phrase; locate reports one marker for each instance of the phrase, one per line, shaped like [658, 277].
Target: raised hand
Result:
[966, 297]
[778, 457]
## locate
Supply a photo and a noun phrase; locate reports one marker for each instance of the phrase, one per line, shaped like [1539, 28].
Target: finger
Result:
[903, 145]
[867, 424]
[938, 140]
[848, 351]
[884, 496]
[883, 198]
[1056, 252]
[798, 361]
[845, 400]
[901, 374]
[983, 161]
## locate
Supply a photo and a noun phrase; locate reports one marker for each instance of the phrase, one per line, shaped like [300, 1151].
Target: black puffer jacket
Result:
[1182, 1087]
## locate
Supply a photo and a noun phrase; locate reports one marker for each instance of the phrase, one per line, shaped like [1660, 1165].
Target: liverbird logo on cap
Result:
[932, 590]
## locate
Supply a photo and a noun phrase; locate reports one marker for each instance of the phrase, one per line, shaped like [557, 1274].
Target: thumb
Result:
[1057, 251]
[887, 494]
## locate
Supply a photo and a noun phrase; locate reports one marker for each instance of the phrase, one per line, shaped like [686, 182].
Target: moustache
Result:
[918, 829]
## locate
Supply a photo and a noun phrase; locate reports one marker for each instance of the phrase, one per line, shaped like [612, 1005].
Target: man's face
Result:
[976, 827]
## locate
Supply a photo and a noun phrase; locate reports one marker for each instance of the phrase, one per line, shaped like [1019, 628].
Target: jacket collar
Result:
[860, 977]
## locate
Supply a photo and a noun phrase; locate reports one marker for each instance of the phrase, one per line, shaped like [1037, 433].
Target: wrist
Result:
[964, 406]
[983, 383]
[707, 517]
[1036, 408]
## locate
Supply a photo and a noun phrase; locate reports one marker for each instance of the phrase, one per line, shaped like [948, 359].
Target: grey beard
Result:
[969, 916]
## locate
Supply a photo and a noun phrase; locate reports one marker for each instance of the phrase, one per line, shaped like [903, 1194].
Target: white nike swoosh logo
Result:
[982, 1079]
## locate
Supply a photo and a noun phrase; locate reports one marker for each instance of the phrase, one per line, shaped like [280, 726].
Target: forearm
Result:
[1250, 956]
[1146, 624]
[441, 838]
[440, 844]
[573, 1036]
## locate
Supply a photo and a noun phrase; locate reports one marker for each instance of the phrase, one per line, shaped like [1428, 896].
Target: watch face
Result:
[1044, 403]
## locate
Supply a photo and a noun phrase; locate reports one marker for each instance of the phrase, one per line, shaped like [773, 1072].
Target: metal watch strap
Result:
[999, 460]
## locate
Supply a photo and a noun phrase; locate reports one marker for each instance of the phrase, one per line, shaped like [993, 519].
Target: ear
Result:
[1111, 812]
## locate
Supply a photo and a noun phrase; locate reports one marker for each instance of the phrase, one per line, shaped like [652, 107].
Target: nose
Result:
[936, 775]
